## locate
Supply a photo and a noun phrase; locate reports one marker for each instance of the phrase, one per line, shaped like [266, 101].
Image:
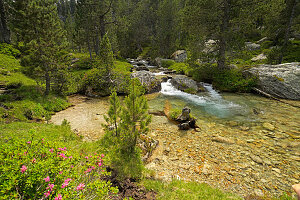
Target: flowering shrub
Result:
[40, 169]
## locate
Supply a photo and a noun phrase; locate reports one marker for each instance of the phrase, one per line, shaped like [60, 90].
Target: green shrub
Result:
[292, 53]
[166, 63]
[9, 50]
[233, 81]
[273, 56]
[175, 113]
[9, 63]
[44, 169]
[181, 68]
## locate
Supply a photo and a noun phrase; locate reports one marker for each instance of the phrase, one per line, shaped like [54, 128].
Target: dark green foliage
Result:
[233, 81]
[167, 63]
[9, 50]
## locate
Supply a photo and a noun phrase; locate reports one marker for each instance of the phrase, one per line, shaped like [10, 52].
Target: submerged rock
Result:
[281, 81]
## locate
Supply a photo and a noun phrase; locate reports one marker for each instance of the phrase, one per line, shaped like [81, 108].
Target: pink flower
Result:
[25, 153]
[93, 167]
[59, 197]
[47, 193]
[50, 186]
[64, 185]
[33, 160]
[47, 179]
[87, 157]
[42, 139]
[23, 168]
[80, 186]
[102, 155]
[28, 142]
[70, 157]
[51, 150]
[99, 164]
[67, 180]
[60, 172]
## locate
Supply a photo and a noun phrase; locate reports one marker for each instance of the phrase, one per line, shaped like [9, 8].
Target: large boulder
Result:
[281, 81]
[184, 83]
[148, 80]
[179, 56]
[210, 46]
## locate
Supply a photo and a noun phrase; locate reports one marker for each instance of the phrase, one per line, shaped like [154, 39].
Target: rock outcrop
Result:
[179, 56]
[148, 80]
[281, 81]
[182, 82]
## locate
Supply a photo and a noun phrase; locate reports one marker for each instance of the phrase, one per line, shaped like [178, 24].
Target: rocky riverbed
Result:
[260, 158]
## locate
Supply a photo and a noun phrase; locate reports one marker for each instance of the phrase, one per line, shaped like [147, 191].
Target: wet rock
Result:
[268, 126]
[141, 68]
[232, 123]
[258, 192]
[256, 159]
[183, 82]
[222, 140]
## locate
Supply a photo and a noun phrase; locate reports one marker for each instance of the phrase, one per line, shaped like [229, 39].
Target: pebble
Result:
[268, 126]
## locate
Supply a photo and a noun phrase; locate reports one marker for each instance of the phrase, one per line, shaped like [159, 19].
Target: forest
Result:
[149, 99]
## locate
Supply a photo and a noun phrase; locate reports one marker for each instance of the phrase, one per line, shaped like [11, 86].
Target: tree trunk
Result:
[4, 31]
[287, 30]
[102, 26]
[223, 36]
[89, 47]
[96, 44]
[47, 78]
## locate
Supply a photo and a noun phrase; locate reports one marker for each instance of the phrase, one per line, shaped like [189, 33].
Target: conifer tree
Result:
[134, 117]
[41, 32]
[113, 117]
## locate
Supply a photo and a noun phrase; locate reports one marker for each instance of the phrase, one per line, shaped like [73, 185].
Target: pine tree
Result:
[113, 117]
[134, 117]
[105, 54]
[41, 32]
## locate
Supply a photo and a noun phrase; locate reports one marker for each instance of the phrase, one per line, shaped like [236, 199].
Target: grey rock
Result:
[259, 57]
[179, 56]
[281, 81]
[148, 80]
[252, 46]
[182, 82]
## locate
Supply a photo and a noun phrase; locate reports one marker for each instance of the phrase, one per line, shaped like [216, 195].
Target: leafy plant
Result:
[37, 168]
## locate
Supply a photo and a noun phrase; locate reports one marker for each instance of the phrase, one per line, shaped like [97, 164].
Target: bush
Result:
[181, 68]
[9, 50]
[166, 63]
[38, 169]
[233, 81]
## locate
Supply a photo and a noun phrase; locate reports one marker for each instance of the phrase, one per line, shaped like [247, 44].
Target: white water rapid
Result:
[210, 101]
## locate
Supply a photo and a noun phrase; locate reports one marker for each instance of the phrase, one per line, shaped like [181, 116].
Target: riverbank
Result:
[261, 160]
